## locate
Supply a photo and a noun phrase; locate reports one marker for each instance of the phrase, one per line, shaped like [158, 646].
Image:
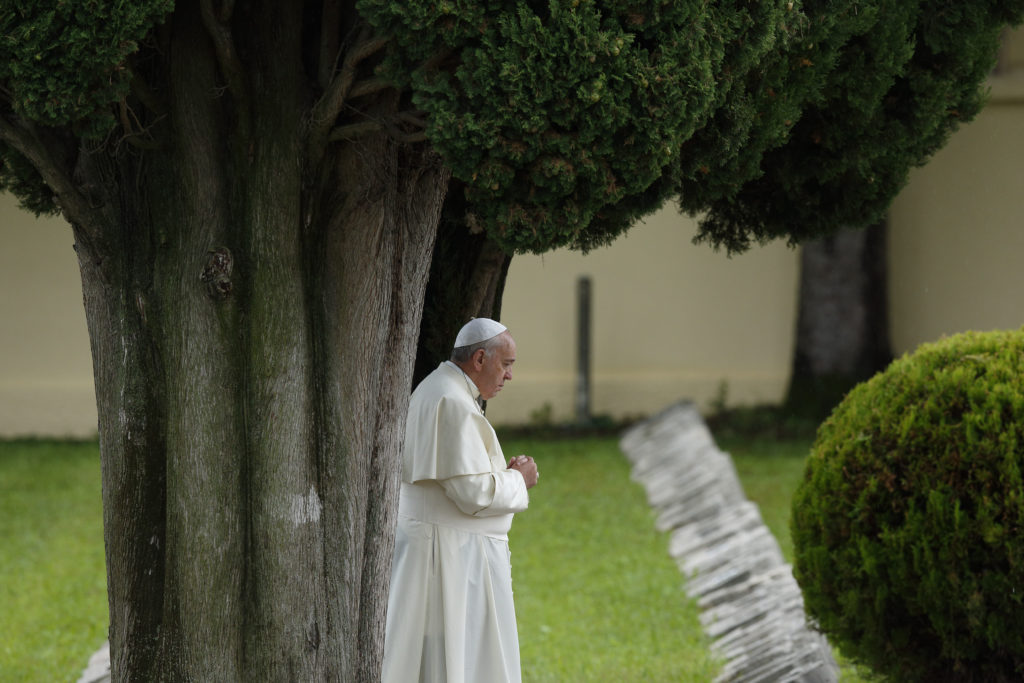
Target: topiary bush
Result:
[907, 527]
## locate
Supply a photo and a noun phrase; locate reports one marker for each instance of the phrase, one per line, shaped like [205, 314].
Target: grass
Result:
[770, 469]
[52, 576]
[597, 596]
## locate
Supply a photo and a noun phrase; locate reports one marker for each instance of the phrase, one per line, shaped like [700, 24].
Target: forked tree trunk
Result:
[253, 326]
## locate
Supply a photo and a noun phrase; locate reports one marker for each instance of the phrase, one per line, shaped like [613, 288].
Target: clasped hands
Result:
[525, 465]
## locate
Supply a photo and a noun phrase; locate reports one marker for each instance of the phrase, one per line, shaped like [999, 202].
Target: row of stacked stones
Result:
[751, 607]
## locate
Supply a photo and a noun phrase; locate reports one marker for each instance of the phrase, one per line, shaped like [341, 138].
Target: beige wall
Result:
[671, 320]
[957, 230]
[45, 369]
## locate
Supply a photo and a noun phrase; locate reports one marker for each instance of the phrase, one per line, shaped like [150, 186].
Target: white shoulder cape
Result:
[446, 434]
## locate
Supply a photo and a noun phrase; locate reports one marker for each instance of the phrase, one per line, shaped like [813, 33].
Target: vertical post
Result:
[583, 350]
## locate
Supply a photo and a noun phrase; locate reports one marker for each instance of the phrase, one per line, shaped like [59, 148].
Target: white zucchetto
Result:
[478, 330]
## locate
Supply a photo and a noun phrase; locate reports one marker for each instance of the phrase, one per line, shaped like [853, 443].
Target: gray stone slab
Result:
[98, 670]
[686, 539]
[751, 607]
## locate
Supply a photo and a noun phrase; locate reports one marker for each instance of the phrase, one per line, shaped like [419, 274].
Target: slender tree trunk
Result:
[253, 324]
[842, 335]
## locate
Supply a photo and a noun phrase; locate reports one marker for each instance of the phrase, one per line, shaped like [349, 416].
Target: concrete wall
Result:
[671, 320]
[45, 367]
[957, 230]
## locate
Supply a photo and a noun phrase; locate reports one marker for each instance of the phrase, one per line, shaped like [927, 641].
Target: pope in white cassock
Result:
[450, 613]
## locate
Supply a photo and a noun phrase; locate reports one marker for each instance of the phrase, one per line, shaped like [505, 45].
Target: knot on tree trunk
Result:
[217, 273]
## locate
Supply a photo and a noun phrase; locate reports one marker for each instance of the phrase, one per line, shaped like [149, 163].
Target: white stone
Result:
[751, 606]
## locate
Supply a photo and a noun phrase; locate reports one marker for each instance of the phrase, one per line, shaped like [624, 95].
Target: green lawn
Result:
[771, 470]
[52, 584]
[598, 598]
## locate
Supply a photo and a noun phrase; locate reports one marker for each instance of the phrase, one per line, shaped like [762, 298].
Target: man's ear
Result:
[478, 357]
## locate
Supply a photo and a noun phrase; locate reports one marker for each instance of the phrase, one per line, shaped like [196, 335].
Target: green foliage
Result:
[65, 62]
[907, 527]
[556, 112]
[901, 77]
[565, 121]
[568, 120]
[21, 179]
[762, 95]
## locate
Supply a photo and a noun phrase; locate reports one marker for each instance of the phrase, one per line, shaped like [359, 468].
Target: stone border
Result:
[98, 670]
[751, 606]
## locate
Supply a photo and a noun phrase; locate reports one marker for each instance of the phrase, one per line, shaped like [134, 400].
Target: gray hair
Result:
[462, 354]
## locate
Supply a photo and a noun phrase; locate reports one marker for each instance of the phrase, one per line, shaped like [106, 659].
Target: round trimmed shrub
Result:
[908, 528]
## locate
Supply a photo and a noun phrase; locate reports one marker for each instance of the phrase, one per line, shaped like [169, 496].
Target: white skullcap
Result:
[478, 330]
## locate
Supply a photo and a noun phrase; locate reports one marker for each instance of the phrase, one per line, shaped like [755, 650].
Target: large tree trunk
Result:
[842, 334]
[253, 322]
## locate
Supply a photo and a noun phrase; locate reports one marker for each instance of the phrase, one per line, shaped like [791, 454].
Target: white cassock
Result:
[450, 613]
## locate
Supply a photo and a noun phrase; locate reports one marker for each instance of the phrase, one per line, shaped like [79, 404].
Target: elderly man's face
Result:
[493, 371]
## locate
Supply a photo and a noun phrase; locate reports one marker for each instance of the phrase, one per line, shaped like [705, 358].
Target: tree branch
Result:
[135, 133]
[410, 138]
[354, 131]
[217, 27]
[412, 118]
[330, 21]
[76, 206]
[370, 86]
[437, 60]
[327, 108]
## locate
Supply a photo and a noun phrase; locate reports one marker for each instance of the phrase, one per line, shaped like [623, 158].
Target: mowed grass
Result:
[771, 470]
[597, 596]
[53, 592]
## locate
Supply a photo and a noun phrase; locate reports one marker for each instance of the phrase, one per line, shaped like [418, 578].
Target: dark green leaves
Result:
[907, 527]
[898, 78]
[568, 120]
[63, 61]
[554, 112]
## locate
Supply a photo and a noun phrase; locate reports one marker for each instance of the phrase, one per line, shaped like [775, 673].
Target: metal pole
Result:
[583, 296]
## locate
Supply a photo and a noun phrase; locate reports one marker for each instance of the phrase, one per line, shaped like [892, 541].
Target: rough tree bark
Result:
[842, 333]
[239, 279]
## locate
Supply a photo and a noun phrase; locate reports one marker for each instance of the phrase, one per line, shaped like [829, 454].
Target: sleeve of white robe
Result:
[487, 495]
